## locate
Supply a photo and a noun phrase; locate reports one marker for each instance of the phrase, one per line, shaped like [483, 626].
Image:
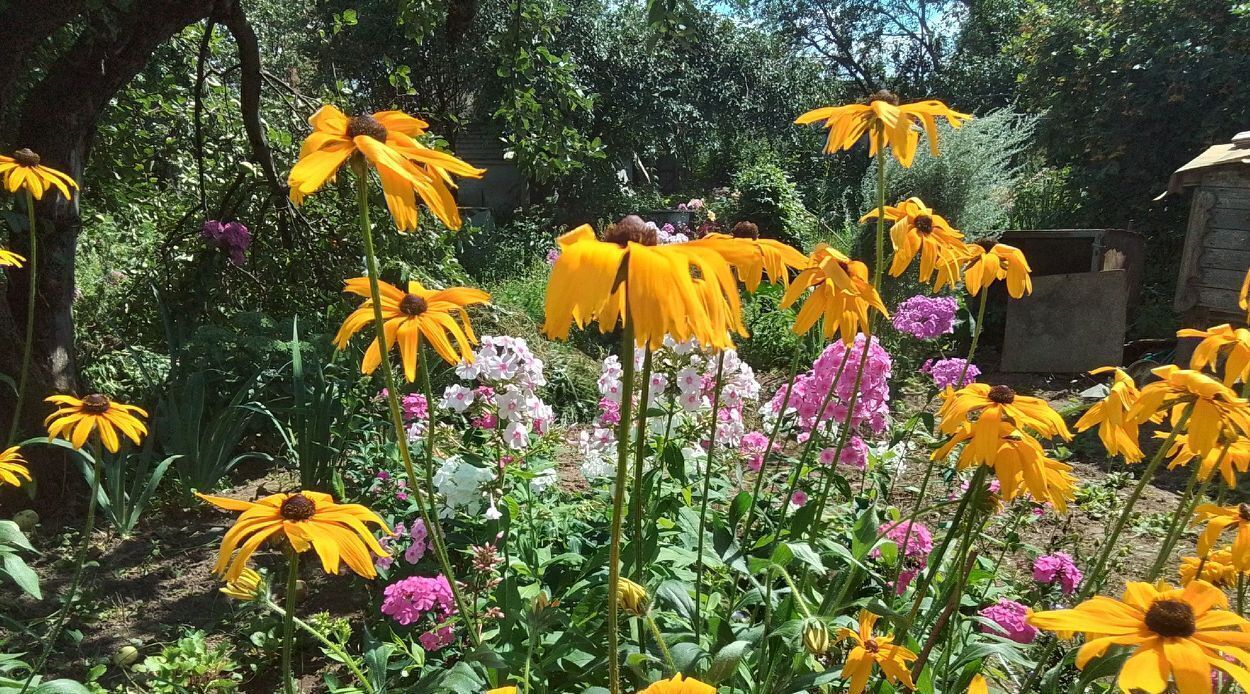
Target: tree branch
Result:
[26, 24]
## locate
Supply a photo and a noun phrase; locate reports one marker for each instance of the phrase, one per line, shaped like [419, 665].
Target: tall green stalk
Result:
[80, 562]
[707, 481]
[618, 502]
[288, 620]
[348, 661]
[1184, 511]
[640, 454]
[772, 437]
[33, 263]
[392, 399]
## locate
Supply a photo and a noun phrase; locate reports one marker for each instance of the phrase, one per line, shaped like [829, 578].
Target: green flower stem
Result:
[976, 337]
[1094, 579]
[659, 641]
[707, 483]
[794, 591]
[80, 563]
[618, 502]
[392, 398]
[288, 620]
[640, 455]
[772, 437]
[347, 660]
[33, 263]
[1180, 517]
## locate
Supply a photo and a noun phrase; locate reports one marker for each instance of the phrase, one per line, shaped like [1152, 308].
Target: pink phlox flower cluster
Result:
[417, 537]
[926, 317]
[872, 407]
[753, 445]
[1058, 567]
[1009, 618]
[231, 238]
[415, 598]
[919, 541]
[946, 372]
[504, 380]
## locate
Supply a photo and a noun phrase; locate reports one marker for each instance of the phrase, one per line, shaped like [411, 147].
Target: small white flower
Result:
[493, 513]
[691, 401]
[517, 436]
[689, 379]
[457, 397]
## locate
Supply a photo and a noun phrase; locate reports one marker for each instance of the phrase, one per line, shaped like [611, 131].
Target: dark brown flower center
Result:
[95, 404]
[25, 157]
[1243, 512]
[745, 230]
[872, 646]
[1003, 395]
[297, 507]
[630, 228]
[987, 245]
[367, 126]
[923, 224]
[884, 95]
[413, 305]
[1171, 618]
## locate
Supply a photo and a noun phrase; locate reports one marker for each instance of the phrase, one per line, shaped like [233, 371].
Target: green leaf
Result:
[11, 534]
[674, 593]
[24, 576]
[726, 661]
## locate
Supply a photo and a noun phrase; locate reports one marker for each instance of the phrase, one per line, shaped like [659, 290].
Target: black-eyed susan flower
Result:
[1220, 519]
[1119, 432]
[754, 258]
[75, 419]
[1243, 297]
[306, 520]
[502, 690]
[994, 405]
[916, 229]
[1217, 411]
[631, 597]
[438, 316]
[983, 267]
[13, 467]
[1217, 569]
[979, 685]
[679, 685]
[1177, 635]
[1229, 458]
[387, 140]
[816, 637]
[10, 259]
[683, 289]
[840, 294]
[1020, 464]
[869, 649]
[886, 122]
[247, 587]
[22, 171]
[1222, 340]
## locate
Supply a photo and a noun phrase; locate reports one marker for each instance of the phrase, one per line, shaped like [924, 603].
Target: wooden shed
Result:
[1217, 238]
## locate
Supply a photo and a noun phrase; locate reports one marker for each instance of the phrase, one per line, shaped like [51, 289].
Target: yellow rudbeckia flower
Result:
[1243, 297]
[999, 262]
[679, 685]
[1218, 569]
[1232, 343]
[886, 122]
[13, 467]
[994, 405]
[306, 520]
[75, 419]
[918, 229]
[682, 289]
[1177, 635]
[10, 259]
[893, 659]
[840, 294]
[1217, 409]
[22, 171]
[246, 588]
[1229, 457]
[1119, 432]
[387, 140]
[1220, 519]
[631, 597]
[410, 316]
[1020, 464]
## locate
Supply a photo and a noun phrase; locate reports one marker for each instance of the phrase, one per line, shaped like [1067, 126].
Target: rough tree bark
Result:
[58, 120]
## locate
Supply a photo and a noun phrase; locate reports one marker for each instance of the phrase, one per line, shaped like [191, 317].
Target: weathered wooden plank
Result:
[1220, 279]
[1232, 176]
[1224, 259]
[1229, 217]
[1219, 299]
[1195, 240]
[1230, 198]
[1230, 239]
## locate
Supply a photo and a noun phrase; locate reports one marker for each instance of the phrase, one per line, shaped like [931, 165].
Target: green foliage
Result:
[191, 664]
[772, 343]
[973, 183]
[13, 543]
[767, 197]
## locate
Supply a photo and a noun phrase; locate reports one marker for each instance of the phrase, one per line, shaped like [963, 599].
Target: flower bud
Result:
[632, 597]
[815, 637]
